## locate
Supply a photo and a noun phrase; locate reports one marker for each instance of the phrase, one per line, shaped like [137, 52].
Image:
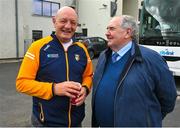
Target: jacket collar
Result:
[55, 38]
[135, 52]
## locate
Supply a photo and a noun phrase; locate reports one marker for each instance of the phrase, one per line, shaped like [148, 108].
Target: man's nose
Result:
[68, 24]
[107, 33]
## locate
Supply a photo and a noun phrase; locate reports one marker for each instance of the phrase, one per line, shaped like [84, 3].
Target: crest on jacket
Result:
[77, 57]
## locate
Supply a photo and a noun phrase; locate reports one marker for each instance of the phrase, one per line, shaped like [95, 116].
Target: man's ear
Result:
[53, 19]
[129, 33]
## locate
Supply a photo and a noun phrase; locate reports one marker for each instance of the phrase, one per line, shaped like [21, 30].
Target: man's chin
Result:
[66, 36]
[109, 44]
[66, 39]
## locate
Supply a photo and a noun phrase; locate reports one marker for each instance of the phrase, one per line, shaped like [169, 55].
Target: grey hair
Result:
[130, 22]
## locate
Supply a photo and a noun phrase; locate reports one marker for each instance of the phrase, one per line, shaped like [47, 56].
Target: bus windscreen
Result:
[161, 19]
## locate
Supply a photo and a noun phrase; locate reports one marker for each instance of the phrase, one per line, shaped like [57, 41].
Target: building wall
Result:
[119, 6]
[94, 15]
[29, 22]
[130, 7]
[7, 29]
[26, 23]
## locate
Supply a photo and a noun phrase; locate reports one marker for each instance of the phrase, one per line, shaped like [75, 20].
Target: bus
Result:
[159, 29]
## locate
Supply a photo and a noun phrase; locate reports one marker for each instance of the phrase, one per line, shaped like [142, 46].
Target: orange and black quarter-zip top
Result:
[46, 63]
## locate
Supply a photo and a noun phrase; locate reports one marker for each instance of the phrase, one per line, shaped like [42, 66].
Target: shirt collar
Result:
[124, 50]
[67, 44]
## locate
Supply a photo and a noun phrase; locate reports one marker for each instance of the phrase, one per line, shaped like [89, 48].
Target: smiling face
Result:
[65, 23]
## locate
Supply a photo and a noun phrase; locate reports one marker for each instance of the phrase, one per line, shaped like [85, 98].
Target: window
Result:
[37, 7]
[45, 8]
[36, 34]
[55, 7]
[85, 31]
[100, 40]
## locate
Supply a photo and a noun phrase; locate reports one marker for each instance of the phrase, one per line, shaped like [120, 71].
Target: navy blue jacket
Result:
[146, 90]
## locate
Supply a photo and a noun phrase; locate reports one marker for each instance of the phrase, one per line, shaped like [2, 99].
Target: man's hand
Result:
[68, 88]
[81, 97]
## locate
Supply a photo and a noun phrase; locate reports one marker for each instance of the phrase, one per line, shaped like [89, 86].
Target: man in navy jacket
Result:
[57, 73]
[132, 85]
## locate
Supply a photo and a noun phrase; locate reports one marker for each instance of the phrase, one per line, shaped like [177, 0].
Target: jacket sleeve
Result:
[88, 73]
[166, 88]
[26, 82]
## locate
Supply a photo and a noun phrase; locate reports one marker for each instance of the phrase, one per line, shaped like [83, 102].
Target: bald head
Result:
[66, 10]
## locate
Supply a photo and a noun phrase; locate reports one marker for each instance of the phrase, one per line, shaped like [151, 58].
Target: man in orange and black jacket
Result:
[54, 71]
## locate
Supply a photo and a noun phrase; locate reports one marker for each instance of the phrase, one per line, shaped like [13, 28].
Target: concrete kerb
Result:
[2, 61]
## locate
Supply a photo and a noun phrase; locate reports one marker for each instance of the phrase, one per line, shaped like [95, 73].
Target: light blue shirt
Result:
[123, 50]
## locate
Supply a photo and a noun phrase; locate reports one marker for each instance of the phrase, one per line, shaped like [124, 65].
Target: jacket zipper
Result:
[67, 76]
[120, 86]
[41, 115]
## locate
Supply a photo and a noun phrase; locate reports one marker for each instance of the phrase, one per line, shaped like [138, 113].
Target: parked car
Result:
[95, 45]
